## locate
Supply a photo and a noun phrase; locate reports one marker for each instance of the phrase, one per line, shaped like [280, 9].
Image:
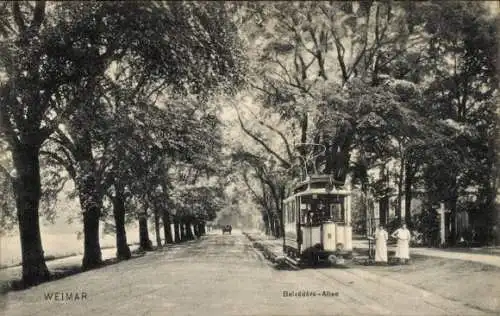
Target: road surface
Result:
[224, 275]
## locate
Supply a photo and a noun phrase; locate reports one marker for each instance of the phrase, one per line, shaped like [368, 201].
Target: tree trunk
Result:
[453, 219]
[91, 205]
[278, 228]
[144, 241]
[364, 215]
[122, 248]
[177, 230]
[189, 232]
[400, 190]
[281, 224]
[167, 229]
[92, 256]
[196, 228]
[157, 227]
[201, 229]
[494, 154]
[384, 200]
[408, 193]
[90, 200]
[267, 225]
[383, 209]
[27, 187]
[183, 230]
[273, 231]
[275, 228]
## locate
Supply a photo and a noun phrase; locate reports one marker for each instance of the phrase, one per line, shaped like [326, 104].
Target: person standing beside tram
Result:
[381, 237]
[403, 236]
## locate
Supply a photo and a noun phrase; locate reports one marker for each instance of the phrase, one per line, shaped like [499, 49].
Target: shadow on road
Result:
[63, 272]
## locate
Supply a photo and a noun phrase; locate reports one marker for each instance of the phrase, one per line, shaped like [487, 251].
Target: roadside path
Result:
[491, 259]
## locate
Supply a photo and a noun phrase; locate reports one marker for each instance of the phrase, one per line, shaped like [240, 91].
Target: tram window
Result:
[305, 215]
[342, 213]
[337, 212]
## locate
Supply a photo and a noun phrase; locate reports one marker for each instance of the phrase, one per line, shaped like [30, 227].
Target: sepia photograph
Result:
[250, 158]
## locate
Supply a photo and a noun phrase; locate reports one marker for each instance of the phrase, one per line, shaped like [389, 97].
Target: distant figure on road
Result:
[403, 247]
[381, 237]
[227, 228]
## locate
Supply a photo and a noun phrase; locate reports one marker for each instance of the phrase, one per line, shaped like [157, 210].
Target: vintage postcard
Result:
[249, 158]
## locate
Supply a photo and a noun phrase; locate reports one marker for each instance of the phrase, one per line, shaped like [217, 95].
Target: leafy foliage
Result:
[398, 81]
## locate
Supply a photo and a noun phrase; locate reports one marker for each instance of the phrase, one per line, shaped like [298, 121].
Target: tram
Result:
[317, 221]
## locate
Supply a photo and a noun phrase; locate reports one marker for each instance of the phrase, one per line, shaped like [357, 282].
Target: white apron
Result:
[381, 246]
[403, 246]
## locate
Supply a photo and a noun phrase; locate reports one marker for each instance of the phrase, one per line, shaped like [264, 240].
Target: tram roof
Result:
[318, 192]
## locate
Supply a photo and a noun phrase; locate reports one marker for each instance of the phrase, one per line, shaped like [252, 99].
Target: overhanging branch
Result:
[18, 17]
[283, 137]
[285, 163]
[68, 165]
[38, 15]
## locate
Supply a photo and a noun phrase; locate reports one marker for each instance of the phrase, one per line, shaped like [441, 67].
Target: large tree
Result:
[380, 66]
[462, 56]
[68, 44]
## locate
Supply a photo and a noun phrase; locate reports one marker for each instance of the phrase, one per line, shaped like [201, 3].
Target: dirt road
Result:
[224, 275]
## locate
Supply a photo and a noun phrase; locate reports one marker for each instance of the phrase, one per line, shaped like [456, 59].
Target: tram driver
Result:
[323, 212]
[311, 218]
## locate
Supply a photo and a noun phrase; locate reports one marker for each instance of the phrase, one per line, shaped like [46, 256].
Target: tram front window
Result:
[317, 213]
[337, 212]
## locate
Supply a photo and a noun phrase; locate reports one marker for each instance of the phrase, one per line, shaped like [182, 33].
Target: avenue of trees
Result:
[125, 101]
[110, 96]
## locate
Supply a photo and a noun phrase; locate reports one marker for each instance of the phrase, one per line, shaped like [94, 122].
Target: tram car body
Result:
[317, 222]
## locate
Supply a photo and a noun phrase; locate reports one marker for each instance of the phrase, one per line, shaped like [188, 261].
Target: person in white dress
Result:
[381, 237]
[403, 246]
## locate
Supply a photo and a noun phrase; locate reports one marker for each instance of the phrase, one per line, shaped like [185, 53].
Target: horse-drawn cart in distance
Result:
[227, 229]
